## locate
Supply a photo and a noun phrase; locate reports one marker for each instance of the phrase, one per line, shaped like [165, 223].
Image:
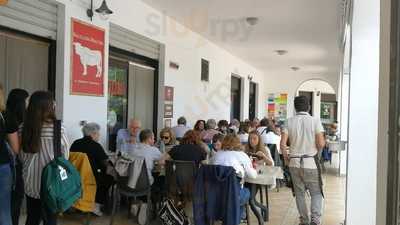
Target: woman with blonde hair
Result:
[8, 142]
[256, 148]
[232, 155]
[167, 140]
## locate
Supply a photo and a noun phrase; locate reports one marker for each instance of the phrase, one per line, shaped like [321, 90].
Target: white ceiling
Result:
[307, 29]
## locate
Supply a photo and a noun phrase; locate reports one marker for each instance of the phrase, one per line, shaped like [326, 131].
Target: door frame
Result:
[392, 204]
[143, 60]
[52, 62]
[255, 98]
[241, 88]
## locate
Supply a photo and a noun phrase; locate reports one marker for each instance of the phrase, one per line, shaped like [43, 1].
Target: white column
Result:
[363, 117]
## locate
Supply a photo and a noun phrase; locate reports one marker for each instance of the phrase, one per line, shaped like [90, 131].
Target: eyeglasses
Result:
[165, 137]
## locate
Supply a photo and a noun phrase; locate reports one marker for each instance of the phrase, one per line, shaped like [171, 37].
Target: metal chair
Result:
[180, 179]
[277, 161]
[121, 189]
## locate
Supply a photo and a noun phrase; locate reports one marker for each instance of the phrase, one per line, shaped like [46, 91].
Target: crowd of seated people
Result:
[30, 142]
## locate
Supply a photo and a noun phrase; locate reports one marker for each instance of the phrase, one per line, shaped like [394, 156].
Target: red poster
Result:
[87, 59]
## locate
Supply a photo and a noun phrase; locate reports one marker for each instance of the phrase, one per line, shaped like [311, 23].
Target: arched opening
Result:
[323, 100]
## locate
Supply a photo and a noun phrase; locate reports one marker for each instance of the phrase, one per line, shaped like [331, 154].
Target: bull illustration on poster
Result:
[88, 57]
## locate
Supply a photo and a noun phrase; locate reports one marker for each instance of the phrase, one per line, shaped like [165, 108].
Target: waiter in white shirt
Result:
[306, 137]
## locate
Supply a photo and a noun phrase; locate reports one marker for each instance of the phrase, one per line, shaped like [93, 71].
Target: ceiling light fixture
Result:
[281, 52]
[295, 68]
[252, 20]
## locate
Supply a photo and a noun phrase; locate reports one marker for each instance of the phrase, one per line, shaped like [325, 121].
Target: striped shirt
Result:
[33, 163]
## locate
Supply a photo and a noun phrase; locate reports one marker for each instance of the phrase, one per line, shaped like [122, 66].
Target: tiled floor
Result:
[282, 212]
[283, 206]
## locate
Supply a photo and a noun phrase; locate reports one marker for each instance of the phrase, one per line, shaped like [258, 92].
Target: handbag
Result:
[170, 215]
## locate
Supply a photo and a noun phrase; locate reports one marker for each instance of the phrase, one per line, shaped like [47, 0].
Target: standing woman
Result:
[15, 112]
[9, 134]
[37, 152]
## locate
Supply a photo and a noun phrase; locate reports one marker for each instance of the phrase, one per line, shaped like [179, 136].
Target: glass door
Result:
[117, 100]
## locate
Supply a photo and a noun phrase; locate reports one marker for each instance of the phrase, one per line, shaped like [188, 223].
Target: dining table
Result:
[266, 178]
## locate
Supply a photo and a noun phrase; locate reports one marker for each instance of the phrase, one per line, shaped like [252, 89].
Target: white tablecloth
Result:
[267, 175]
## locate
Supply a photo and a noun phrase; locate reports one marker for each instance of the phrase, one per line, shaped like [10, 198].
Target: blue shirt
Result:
[123, 141]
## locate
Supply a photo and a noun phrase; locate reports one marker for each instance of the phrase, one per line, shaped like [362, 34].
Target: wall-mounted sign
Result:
[277, 106]
[168, 123]
[3, 2]
[87, 59]
[168, 102]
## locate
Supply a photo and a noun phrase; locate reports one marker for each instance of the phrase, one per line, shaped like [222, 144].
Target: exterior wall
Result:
[193, 98]
[363, 119]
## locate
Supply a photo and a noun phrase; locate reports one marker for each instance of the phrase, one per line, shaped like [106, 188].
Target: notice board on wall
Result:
[277, 106]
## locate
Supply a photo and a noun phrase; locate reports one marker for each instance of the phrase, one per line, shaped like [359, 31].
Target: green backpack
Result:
[61, 182]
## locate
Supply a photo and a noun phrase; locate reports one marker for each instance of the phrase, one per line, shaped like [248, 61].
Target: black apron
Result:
[317, 163]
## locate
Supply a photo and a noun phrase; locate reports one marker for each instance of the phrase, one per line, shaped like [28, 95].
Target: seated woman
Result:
[232, 155]
[200, 125]
[167, 140]
[189, 149]
[256, 148]
[98, 161]
[216, 144]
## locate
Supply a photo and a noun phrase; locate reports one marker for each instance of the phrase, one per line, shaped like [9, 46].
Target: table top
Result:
[267, 175]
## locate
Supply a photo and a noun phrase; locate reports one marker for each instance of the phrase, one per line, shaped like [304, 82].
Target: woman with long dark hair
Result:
[200, 125]
[37, 152]
[15, 112]
[9, 145]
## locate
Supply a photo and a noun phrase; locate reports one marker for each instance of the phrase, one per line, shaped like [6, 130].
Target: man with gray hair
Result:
[99, 162]
[181, 128]
[127, 139]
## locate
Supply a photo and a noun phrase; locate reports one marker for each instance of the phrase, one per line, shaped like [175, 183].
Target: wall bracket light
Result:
[103, 10]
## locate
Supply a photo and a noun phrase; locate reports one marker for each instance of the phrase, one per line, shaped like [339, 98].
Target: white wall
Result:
[363, 118]
[317, 85]
[73, 108]
[193, 98]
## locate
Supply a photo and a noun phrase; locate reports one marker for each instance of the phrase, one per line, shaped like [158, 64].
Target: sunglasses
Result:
[164, 137]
